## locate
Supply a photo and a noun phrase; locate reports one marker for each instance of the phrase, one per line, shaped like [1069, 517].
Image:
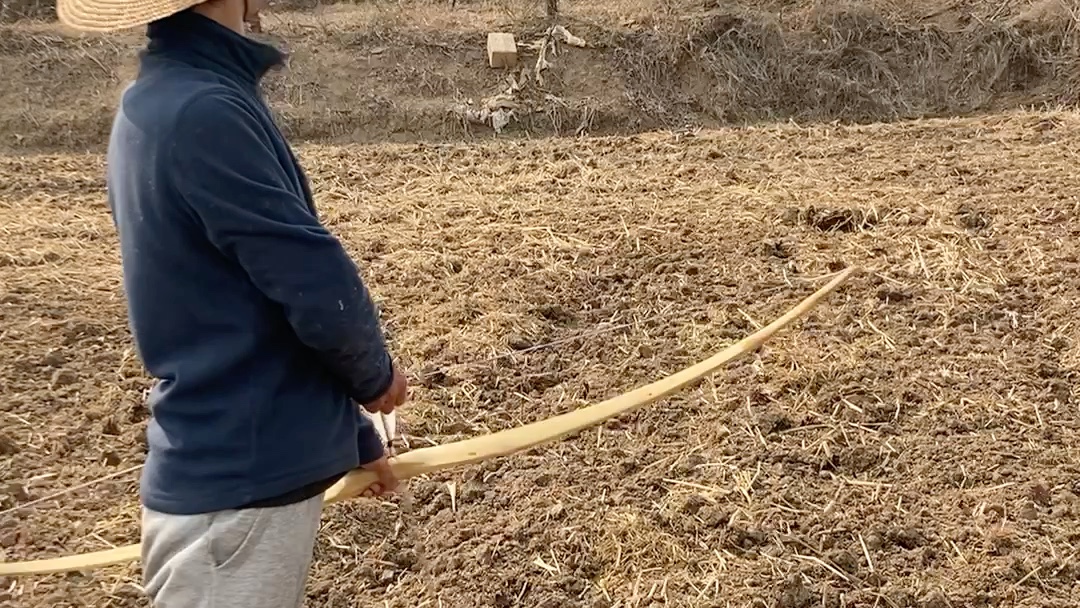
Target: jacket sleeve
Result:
[223, 163]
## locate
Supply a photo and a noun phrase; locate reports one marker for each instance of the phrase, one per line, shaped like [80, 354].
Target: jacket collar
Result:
[204, 43]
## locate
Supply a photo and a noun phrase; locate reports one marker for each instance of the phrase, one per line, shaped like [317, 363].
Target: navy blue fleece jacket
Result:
[248, 312]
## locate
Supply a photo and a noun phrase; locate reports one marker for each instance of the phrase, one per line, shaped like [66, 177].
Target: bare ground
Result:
[913, 443]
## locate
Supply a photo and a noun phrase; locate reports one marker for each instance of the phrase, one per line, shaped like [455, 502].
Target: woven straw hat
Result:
[111, 15]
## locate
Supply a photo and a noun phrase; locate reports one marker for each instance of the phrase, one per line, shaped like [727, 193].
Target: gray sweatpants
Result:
[250, 558]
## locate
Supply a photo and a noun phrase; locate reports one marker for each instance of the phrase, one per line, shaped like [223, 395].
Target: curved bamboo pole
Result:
[485, 447]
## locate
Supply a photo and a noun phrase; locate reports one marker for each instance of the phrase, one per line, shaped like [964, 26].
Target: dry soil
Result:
[913, 443]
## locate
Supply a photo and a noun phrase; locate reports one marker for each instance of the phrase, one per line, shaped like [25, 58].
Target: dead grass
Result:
[849, 61]
[20, 10]
[912, 443]
[398, 72]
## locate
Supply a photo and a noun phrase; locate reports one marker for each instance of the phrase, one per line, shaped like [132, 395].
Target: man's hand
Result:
[387, 481]
[393, 397]
[386, 404]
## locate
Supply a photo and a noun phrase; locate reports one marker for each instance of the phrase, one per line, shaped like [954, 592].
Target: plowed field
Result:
[914, 442]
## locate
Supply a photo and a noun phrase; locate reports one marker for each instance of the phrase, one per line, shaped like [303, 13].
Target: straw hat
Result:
[110, 15]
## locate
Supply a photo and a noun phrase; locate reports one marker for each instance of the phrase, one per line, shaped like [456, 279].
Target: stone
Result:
[501, 50]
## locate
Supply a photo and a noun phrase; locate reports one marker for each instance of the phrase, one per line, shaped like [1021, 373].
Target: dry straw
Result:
[431, 460]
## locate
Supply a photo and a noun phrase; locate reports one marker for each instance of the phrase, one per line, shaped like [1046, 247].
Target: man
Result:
[251, 316]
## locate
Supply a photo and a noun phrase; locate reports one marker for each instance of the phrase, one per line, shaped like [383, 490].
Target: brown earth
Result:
[403, 72]
[915, 442]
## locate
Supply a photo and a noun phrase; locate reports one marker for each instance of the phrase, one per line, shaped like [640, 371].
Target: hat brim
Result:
[112, 15]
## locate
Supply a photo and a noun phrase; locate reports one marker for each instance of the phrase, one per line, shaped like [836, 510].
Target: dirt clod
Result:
[8, 446]
[54, 359]
[936, 599]
[795, 594]
[1040, 493]
[63, 377]
[518, 342]
[9, 538]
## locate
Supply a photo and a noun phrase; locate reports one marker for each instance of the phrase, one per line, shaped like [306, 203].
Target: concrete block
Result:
[501, 50]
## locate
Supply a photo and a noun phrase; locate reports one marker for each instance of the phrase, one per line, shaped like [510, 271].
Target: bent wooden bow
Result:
[485, 447]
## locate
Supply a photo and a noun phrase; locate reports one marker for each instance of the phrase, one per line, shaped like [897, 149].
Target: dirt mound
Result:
[851, 62]
[915, 442]
[417, 71]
